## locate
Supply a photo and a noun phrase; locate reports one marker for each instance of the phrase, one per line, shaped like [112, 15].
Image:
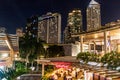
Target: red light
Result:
[62, 64]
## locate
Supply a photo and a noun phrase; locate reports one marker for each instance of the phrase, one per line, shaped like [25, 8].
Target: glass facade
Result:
[75, 21]
[93, 16]
[49, 27]
[74, 26]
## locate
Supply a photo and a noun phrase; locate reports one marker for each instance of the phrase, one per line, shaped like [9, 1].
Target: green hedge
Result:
[112, 59]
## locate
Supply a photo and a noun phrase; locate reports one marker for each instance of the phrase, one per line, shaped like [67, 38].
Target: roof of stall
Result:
[8, 41]
[60, 59]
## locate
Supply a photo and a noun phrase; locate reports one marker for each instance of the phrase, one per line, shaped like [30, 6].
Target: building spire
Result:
[93, 2]
[93, 16]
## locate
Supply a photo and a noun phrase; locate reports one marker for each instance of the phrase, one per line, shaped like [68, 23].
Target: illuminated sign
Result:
[62, 64]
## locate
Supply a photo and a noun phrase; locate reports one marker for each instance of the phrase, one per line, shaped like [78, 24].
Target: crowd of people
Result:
[67, 74]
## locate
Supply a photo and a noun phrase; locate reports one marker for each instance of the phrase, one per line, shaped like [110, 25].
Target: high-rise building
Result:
[49, 27]
[74, 26]
[93, 16]
[32, 26]
[75, 21]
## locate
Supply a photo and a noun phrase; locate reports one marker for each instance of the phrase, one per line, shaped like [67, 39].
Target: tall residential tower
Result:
[74, 26]
[93, 16]
[75, 21]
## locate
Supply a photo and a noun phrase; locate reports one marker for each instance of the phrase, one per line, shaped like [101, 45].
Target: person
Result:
[51, 78]
[55, 77]
[64, 76]
[76, 74]
[61, 73]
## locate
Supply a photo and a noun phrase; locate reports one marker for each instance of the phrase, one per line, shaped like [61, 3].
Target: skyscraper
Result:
[49, 27]
[93, 16]
[75, 21]
[74, 26]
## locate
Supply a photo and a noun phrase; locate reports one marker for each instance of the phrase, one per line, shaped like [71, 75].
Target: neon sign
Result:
[62, 64]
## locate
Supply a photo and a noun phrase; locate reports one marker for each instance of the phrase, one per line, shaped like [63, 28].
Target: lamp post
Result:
[43, 61]
[45, 47]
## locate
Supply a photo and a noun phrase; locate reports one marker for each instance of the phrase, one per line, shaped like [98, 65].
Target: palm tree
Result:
[26, 47]
[40, 50]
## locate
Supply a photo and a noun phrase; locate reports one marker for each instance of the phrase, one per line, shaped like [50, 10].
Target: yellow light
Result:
[70, 13]
[73, 10]
[5, 55]
[8, 44]
[115, 37]
[95, 36]
[70, 23]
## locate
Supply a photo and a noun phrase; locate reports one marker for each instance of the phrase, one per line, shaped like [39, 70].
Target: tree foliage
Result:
[112, 59]
[26, 46]
[30, 47]
[84, 56]
[55, 51]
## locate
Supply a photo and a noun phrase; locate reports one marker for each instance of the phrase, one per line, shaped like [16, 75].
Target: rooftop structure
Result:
[8, 48]
[104, 40]
[93, 2]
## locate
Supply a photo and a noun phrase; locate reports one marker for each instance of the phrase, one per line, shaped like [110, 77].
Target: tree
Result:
[26, 47]
[112, 59]
[84, 56]
[40, 50]
[55, 51]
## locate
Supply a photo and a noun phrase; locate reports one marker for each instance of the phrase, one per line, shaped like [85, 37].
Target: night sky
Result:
[13, 13]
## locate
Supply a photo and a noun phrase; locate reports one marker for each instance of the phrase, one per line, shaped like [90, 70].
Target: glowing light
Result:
[62, 64]
[115, 37]
[2, 67]
[5, 55]
[8, 44]
[73, 10]
[70, 13]
[96, 36]
[70, 23]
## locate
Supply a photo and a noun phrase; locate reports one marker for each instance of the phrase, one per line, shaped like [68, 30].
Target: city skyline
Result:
[14, 13]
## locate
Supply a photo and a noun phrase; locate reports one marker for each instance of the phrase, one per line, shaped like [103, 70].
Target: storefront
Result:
[100, 41]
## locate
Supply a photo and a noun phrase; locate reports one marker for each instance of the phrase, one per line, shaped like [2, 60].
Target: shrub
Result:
[85, 56]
